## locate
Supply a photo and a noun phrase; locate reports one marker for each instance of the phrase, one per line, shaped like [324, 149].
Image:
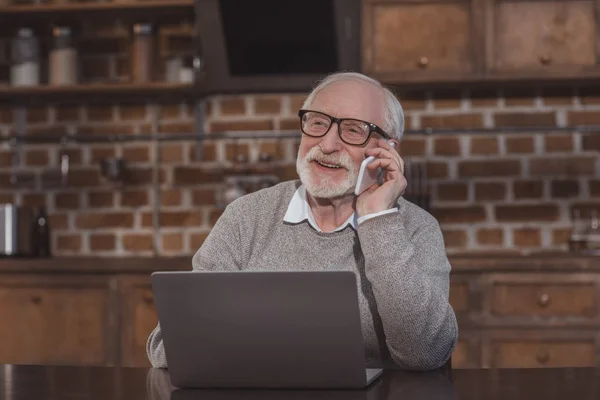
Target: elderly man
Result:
[317, 223]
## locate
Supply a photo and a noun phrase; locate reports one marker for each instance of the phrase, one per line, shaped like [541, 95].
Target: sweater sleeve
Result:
[220, 251]
[409, 273]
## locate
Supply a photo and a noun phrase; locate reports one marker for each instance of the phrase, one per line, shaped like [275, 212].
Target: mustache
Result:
[342, 159]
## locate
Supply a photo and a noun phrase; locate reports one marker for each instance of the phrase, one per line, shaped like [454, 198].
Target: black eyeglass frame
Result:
[372, 127]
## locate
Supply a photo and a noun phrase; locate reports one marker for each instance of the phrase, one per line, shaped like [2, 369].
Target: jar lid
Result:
[60, 31]
[142, 29]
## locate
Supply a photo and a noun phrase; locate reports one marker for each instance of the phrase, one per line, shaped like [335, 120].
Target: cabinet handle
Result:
[36, 299]
[423, 62]
[545, 59]
[148, 299]
[542, 357]
[544, 300]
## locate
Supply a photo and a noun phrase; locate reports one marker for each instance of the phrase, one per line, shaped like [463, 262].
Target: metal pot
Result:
[15, 230]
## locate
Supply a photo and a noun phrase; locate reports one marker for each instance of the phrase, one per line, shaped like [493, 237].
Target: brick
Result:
[557, 96]
[525, 119]
[524, 213]
[6, 158]
[106, 129]
[564, 189]
[170, 111]
[84, 177]
[33, 200]
[68, 201]
[195, 176]
[203, 197]
[514, 97]
[45, 130]
[67, 113]
[594, 186]
[233, 106]
[558, 143]
[196, 240]
[413, 100]
[452, 121]
[452, 191]
[100, 199]
[490, 191]
[6, 179]
[583, 118]
[68, 242]
[137, 242]
[286, 173]
[7, 198]
[591, 141]
[527, 237]
[172, 242]
[589, 94]
[214, 216]
[209, 152]
[519, 144]
[489, 168]
[449, 215]
[455, 238]
[413, 146]
[6, 116]
[490, 237]
[109, 219]
[289, 124]
[37, 157]
[296, 102]
[250, 125]
[133, 112]
[484, 145]
[267, 105]
[98, 153]
[135, 198]
[560, 236]
[75, 156]
[37, 114]
[447, 98]
[572, 166]
[528, 189]
[100, 113]
[181, 218]
[484, 97]
[437, 170]
[58, 221]
[446, 146]
[143, 176]
[147, 220]
[273, 149]
[171, 153]
[137, 154]
[171, 197]
[586, 209]
[178, 127]
[102, 242]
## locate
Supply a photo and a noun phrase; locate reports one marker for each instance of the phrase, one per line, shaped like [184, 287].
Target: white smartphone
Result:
[367, 177]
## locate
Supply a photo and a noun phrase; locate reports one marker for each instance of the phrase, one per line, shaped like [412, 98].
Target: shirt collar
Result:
[299, 210]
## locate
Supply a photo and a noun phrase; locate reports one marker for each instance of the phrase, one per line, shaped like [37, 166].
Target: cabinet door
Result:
[420, 40]
[139, 319]
[54, 320]
[554, 37]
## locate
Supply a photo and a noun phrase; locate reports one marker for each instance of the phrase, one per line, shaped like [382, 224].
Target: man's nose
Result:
[331, 142]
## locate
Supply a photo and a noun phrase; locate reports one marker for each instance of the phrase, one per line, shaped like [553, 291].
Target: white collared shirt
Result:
[299, 210]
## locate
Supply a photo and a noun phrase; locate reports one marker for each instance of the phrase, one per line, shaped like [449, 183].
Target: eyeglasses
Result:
[352, 131]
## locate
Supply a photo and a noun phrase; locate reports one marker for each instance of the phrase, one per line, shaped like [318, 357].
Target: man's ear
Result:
[396, 143]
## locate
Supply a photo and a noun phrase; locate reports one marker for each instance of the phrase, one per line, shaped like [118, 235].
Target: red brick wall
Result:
[497, 191]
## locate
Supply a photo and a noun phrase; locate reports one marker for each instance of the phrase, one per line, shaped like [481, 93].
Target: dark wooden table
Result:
[104, 383]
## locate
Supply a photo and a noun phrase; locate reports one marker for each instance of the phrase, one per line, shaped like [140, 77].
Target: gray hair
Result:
[393, 115]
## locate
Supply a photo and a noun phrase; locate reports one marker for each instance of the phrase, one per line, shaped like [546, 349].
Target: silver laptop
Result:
[293, 329]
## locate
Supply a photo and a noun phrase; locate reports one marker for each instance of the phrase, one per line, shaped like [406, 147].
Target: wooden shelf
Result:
[93, 91]
[50, 9]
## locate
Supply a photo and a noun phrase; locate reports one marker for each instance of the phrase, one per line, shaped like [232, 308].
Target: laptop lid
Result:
[258, 329]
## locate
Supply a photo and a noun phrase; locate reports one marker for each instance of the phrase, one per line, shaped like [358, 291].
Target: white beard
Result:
[323, 187]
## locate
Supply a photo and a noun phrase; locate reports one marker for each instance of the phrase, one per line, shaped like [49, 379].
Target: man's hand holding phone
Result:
[372, 197]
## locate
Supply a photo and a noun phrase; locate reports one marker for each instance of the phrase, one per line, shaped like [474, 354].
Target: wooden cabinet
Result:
[55, 320]
[420, 40]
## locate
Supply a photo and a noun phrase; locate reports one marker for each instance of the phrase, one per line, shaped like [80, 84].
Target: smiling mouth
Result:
[331, 166]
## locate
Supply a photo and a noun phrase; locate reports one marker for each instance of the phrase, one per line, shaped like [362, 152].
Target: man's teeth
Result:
[329, 165]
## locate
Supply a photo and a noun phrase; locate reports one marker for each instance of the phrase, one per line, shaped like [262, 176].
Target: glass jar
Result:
[63, 58]
[142, 53]
[25, 59]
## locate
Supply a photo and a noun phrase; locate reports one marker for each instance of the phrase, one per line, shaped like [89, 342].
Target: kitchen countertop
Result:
[464, 263]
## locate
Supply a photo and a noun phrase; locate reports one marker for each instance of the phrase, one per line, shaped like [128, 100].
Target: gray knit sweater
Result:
[399, 259]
